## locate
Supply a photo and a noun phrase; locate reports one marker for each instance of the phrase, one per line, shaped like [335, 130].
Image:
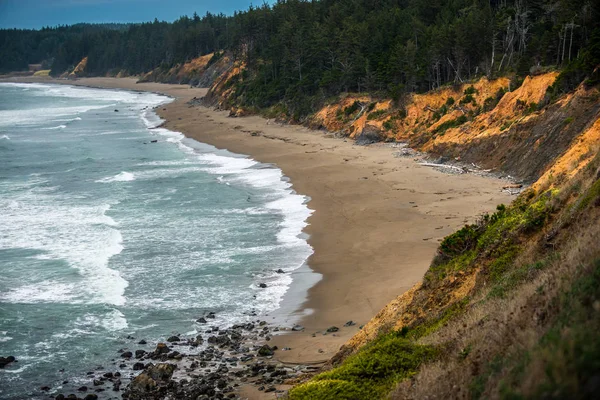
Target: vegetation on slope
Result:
[509, 308]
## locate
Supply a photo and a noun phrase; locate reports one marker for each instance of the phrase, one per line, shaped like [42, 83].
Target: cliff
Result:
[509, 305]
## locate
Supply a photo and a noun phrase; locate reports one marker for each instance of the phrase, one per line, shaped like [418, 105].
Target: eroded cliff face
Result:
[508, 127]
[201, 71]
[501, 310]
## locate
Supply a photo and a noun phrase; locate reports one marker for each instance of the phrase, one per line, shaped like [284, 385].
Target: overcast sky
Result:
[40, 13]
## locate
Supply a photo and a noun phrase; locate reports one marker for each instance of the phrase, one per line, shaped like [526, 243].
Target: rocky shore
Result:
[214, 364]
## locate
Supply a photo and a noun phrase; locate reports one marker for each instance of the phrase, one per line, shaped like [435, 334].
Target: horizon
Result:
[38, 14]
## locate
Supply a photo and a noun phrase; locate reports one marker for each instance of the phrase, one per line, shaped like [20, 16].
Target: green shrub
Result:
[376, 114]
[470, 90]
[351, 109]
[451, 124]
[370, 373]
[450, 101]
[467, 99]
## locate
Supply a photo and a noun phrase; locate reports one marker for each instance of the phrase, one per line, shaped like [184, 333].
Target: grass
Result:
[376, 114]
[592, 194]
[567, 357]
[44, 72]
[434, 324]
[369, 374]
[510, 280]
[443, 127]
[494, 240]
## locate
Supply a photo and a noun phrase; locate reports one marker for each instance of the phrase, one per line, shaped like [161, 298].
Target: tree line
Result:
[301, 52]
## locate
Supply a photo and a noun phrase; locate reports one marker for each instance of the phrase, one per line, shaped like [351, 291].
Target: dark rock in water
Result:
[350, 323]
[91, 396]
[201, 320]
[154, 141]
[97, 382]
[83, 389]
[173, 339]
[270, 389]
[127, 354]
[139, 353]
[211, 315]
[265, 351]
[116, 110]
[298, 328]
[142, 342]
[138, 366]
[45, 388]
[161, 348]
[117, 385]
[262, 285]
[150, 383]
[60, 397]
[212, 339]
[4, 361]
[72, 397]
[117, 374]
[205, 390]
[108, 375]
[333, 329]
[221, 384]
[280, 271]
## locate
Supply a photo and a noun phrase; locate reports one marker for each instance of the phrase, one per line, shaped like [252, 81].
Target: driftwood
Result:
[515, 186]
[459, 169]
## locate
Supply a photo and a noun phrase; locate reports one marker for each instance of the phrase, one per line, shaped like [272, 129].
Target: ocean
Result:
[112, 227]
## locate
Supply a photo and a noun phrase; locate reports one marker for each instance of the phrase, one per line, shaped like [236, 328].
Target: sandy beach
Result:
[377, 218]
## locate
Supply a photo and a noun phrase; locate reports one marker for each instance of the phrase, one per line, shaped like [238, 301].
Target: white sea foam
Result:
[67, 119]
[81, 235]
[4, 337]
[111, 321]
[55, 127]
[239, 170]
[120, 177]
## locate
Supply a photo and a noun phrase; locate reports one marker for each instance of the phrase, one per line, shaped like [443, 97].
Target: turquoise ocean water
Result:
[104, 234]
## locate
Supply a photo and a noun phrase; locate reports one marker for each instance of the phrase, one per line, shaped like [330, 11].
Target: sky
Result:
[35, 14]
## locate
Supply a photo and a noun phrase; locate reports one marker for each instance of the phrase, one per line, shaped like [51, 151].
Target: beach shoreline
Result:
[377, 219]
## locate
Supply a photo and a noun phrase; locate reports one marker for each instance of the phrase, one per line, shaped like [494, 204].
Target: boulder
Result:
[161, 348]
[146, 384]
[173, 339]
[333, 329]
[4, 361]
[265, 351]
[138, 366]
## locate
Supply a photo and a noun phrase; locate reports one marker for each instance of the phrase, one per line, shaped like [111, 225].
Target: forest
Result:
[299, 52]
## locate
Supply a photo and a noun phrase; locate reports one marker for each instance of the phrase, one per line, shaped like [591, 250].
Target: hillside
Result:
[509, 306]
